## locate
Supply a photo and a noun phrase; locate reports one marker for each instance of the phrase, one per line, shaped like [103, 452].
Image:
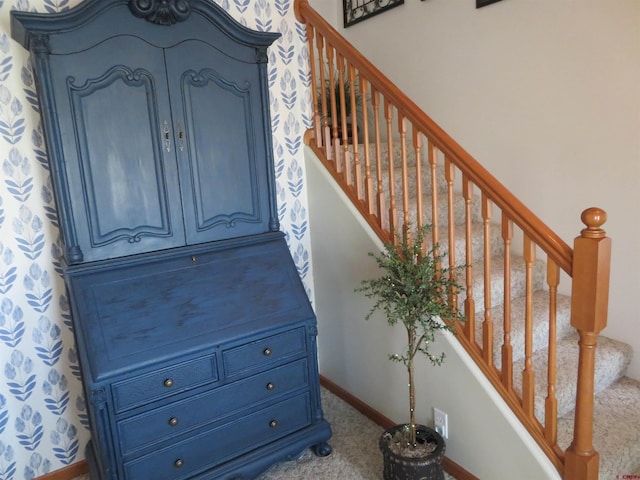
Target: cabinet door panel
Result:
[222, 159]
[118, 149]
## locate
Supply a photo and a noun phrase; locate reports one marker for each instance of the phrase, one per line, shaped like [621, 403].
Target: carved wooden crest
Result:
[161, 12]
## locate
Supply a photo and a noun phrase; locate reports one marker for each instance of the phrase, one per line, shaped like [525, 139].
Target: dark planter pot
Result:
[397, 467]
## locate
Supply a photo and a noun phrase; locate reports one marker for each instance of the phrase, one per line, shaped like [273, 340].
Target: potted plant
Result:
[413, 292]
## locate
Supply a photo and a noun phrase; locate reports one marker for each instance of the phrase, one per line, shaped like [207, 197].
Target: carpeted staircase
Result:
[617, 405]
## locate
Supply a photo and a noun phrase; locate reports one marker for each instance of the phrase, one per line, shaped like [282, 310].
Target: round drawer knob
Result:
[270, 386]
[168, 383]
[179, 463]
[267, 351]
[273, 424]
[173, 421]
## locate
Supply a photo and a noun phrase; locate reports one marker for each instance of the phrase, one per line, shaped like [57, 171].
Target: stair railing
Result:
[372, 138]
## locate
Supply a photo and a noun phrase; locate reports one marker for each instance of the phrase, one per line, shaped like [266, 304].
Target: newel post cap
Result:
[591, 271]
[593, 218]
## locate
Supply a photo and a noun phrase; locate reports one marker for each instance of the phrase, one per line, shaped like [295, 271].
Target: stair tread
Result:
[540, 301]
[616, 429]
[477, 243]
[518, 280]
[459, 208]
[612, 359]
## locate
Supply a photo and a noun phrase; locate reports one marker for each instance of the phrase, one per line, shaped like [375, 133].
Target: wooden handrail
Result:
[540, 233]
[389, 192]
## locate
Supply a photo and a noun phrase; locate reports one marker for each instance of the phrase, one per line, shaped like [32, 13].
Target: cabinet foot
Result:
[322, 449]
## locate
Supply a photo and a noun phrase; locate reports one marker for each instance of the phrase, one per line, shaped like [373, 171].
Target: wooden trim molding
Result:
[67, 473]
[451, 467]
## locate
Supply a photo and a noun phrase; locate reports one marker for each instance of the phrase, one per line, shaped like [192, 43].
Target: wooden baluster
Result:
[589, 304]
[507, 348]
[487, 324]
[317, 115]
[528, 376]
[354, 132]
[342, 121]
[402, 129]
[326, 129]
[333, 111]
[381, 207]
[433, 163]
[368, 181]
[469, 303]
[417, 148]
[335, 142]
[449, 175]
[357, 173]
[388, 113]
[551, 403]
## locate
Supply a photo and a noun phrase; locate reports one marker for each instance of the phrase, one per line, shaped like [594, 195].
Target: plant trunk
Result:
[412, 393]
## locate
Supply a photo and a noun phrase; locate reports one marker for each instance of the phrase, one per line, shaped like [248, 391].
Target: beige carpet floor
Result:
[355, 453]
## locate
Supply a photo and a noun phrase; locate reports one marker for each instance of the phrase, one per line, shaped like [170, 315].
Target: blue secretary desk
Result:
[197, 341]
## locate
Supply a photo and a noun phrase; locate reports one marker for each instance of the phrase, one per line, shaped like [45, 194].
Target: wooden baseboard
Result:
[451, 467]
[67, 473]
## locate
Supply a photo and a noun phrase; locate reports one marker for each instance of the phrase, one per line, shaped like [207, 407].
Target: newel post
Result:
[589, 304]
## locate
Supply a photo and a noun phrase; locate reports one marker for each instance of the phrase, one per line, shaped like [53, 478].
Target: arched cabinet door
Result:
[221, 149]
[118, 149]
[157, 124]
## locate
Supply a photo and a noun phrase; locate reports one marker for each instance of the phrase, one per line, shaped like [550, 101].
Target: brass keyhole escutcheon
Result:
[267, 352]
[273, 424]
[270, 386]
[179, 463]
[173, 421]
[168, 383]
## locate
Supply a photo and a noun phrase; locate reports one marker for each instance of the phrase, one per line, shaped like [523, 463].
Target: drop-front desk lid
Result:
[132, 314]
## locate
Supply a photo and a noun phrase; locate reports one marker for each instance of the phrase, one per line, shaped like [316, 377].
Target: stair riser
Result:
[460, 244]
[497, 287]
[540, 325]
[384, 154]
[412, 184]
[459, 211]
[425, 172]
[612, 360]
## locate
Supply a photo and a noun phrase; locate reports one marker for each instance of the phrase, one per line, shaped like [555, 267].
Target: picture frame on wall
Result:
[484, 3]
[358, 10]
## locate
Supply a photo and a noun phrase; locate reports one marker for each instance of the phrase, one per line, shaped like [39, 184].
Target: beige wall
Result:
[546, 94]
[331, 10]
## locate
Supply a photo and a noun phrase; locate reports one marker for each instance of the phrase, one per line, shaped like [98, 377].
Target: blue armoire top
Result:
[157, 123]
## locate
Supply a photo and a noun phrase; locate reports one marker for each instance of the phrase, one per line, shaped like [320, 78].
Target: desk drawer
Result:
[180, 417]
[223, 443]
[266, 351]
[162, 383]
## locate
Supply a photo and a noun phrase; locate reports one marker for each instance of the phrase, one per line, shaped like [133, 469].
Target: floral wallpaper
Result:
[43, 421]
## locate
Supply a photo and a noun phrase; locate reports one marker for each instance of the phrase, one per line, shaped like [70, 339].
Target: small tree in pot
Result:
[413, 292]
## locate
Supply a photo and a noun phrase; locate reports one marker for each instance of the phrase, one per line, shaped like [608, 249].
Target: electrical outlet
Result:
[441, 423]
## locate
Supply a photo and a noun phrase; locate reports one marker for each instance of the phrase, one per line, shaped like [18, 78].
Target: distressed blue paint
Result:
[29, 233]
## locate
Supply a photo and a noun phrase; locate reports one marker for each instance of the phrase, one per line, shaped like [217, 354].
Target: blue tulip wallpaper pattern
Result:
[43, 421]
